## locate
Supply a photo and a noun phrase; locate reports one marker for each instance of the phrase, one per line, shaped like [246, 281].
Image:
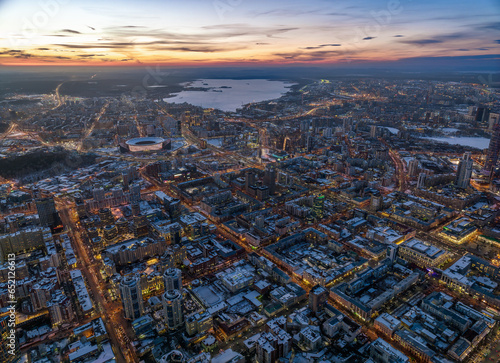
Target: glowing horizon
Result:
[242, 32]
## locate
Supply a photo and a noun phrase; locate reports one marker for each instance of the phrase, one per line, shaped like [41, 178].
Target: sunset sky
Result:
[219, 32]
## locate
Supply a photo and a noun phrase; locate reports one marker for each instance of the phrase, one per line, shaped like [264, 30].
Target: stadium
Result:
[144, 144]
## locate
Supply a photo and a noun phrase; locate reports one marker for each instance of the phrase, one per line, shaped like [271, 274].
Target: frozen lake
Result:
[229, 94]
[477, 142]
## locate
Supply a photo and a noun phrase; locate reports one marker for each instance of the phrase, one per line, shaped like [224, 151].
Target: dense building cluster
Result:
[325, 226]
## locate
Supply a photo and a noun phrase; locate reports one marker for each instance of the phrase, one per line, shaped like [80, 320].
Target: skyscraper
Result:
[413, 167]
[270, 179]
[464, 171]
[249, 180]
[421, 180]
[131, 295]
[135, 193]
[172, 278]
[318, 207]
[493, 149]
[172, 306]
[46, 209]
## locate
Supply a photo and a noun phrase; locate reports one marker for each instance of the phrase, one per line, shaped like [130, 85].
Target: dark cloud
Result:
[489, 26]
[88, 26]
[398, 36]
[159, 46]
[497, 41]
[437, 39]
[422, 41]
[207, 33]
[71, 31]
[369, 38]
[319, 55]
[42, 48]
[322, 46]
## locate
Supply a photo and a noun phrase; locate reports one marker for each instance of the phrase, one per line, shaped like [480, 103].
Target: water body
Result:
[215, 142]
[392, 130]
[229, 94]
[477, 142]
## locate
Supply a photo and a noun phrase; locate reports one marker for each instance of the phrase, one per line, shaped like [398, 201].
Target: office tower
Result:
[122, 225]
[317, 298]
[249, 180]
[376, 202]
[172, 277]
[175, 234]
[421, 180]
[493, 120]
[135, 193]
[373, 131]
[318, 207]
[46, 209]
[174, 209]
[493, 149]
[98, 194]
[413, 167]
[270, 179]
[309, 142]
[140, 226]
[106, 216]
[80, 206]
[464, 171]
[172, 306]
[125, 180]
[482, 114]
[110, 232]
[287, 144]
[131, 295]
[136, 208]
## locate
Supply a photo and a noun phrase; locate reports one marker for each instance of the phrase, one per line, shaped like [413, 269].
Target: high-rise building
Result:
[373, 131]
[172, 306]
[46, 209]
[249, 180]
[270, 179]
[413, 167]
[309, 142]
[172, 278]
[493, 149]
[482, 114]
[464, 171]
[318, 207]
[135, 193]
[493, 120]
[317, 298]
[98, 194]
[421, 180]
[131, 295]
[106, 216]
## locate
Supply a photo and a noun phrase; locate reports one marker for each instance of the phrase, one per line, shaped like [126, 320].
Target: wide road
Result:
[122, 353]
